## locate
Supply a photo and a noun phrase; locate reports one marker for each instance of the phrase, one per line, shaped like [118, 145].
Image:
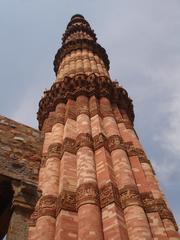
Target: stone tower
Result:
[95, 179]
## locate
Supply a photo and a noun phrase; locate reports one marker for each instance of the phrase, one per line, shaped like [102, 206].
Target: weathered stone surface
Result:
[20, 150]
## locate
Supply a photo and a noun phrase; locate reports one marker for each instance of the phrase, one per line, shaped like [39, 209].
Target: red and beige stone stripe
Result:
[87, 191]
[143, 173]
[135, 217]
[81, 62]
[49, 180]
[66, 222]
[112, 216]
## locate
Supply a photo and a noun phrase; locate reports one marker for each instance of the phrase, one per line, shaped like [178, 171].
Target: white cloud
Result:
[171, 136]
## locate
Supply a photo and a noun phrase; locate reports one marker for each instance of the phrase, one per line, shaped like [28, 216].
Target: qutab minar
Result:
[84, 174]
[95, 179]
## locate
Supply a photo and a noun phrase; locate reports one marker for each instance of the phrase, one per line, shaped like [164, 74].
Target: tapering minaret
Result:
[96, 180]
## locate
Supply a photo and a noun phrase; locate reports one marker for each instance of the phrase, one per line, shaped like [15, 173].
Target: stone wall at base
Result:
[20, 150]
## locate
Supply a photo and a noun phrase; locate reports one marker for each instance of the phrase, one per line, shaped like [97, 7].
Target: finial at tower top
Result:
[77, 16]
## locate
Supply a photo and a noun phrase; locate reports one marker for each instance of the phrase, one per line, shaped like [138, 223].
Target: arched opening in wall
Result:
[6, 196]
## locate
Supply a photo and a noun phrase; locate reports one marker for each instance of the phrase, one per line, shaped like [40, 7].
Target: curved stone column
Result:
[49, 177]
[121, 163]
[87, 191]
[171, 231]
[66, 222]
[112, 216]
[142, 170]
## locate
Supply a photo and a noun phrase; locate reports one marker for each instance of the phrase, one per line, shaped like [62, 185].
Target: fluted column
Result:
[87, 191]
[66, 222]
[142, 169]
[171, 230]
[136, 220]
[49, 178]
[143, 173]
[112, 215]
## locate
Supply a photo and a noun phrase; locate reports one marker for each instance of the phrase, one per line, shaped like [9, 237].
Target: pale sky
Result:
[142, 40]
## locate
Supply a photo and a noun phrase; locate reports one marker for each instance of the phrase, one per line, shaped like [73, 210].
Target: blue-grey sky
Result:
[142, 40]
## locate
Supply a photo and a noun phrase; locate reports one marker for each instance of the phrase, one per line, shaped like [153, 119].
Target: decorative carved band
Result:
[47, 206]
[109, 194]
[55, 150]
[143, 159]
[77, 18]
[79, 28]
[164, 212]
[157, 205]
[100, 141]
[115, 142]
[66, 201]
[87, 193]
[88, 85]
[69, 145]
[132, 151]
[82, 111]
[129, 196]
[84, 140]
[148, 202]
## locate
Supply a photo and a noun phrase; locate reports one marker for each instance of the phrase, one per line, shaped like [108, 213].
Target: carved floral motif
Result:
[157, 205]
[47, 206]
[55, 150]
[132, 151]
[129, 195]
[87, 193]
[108, 194]
[100, 141]
[148, 202]
[84, 140]
[115, 142]
[66, 201]
[69, 145]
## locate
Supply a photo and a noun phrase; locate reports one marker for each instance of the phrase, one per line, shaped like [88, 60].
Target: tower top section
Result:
[81, 66]
[79, 36]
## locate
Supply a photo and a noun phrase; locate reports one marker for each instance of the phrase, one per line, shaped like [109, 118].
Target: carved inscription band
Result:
[47, 206]
[100, 141]
[66, 201]
[88, 193]
[129, 196]
[109, 194]
[84, 139]
[132, 151]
